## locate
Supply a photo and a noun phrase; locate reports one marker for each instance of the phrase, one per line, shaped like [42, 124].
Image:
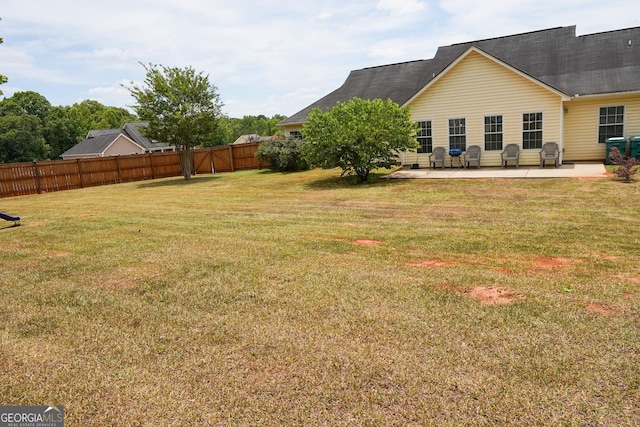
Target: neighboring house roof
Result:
[601, 63]
[99, 140]
[246, 139]
[132, 130]
[94, 146]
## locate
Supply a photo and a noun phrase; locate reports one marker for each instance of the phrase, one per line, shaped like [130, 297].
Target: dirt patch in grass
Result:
[624, 277]
[360, 242]
[494, 295]
[599, 309]
[490, 295]
[549, 262]
[543, 265]
[506, 271]
[365, 242]
[54, 254]
[430, 263]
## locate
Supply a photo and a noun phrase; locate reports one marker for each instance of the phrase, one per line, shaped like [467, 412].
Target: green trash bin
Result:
[619, 142]
[634, 149]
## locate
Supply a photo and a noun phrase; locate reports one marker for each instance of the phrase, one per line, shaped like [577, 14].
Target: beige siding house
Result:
[115, 142]
[525, 89]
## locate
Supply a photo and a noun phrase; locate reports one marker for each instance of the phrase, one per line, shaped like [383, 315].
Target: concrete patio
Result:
[567, 170]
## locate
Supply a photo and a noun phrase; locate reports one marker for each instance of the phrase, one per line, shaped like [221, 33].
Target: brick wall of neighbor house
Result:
[477, 87]
[581, 121]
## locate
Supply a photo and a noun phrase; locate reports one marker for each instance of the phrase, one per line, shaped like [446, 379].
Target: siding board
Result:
[582, 121]
[477, 87]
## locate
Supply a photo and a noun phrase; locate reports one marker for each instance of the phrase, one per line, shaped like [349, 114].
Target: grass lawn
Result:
[257, 298]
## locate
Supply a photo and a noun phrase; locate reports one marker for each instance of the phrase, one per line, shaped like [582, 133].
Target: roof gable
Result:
[474, 49]
[606, 62]
[97, 145]
[120, 142]
[99, 140]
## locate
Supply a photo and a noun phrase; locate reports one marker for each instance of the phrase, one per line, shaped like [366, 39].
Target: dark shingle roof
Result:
[92, 146]
[591, 64]
[99, 140]
[132, 130]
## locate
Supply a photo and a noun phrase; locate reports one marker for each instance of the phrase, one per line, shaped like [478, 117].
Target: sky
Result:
[264, 56]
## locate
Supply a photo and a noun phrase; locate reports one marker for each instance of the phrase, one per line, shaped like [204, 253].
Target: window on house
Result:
[611, 123]
[531, 131]
[493, 133]
[295, 134]
[424, 137]
[458, 134]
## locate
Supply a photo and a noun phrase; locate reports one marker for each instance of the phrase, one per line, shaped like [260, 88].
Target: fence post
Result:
[118, 167]
[231, 160]
[153, 172]
[80, 174]
[35, 169]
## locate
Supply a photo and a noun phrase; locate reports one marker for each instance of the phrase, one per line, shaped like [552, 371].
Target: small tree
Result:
[283, 155]
[182, 109]
[626, 165]
[358, 136]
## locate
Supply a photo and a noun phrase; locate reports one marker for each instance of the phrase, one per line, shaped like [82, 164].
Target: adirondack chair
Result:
[510, 153]
[472, 154]
[550, 151]
[437, 156]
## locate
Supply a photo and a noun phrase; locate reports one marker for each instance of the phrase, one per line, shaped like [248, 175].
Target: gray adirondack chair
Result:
[550, 151]
[437, 156]
[473, 154]
[510, 153]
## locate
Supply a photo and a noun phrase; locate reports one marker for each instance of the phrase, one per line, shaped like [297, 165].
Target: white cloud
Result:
[116, 94]
[263, 56]
[324, 16]
[401, 7]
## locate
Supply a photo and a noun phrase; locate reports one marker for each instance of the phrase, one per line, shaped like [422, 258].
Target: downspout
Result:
[563, 111]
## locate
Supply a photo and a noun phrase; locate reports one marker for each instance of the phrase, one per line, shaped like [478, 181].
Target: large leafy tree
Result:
[60, 131]
[21, 139]
[22, 121]
[182, 108]
[358, 136]
[231, 128]
[90, 114]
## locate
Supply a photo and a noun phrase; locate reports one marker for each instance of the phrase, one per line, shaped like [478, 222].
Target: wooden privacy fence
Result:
[18, 179]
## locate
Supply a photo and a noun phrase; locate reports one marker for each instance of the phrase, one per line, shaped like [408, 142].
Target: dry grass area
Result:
[257, 298]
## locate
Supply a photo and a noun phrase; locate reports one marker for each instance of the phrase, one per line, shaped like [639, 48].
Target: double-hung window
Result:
[493, 133]
[531, 131]
[425, 137]
[611, 123]
[458, 134]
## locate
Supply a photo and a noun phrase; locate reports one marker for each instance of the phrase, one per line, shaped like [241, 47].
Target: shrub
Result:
[283, 154]
[626, 165]
[359, 136]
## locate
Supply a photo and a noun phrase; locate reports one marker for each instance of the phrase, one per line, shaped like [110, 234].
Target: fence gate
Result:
[222, 159]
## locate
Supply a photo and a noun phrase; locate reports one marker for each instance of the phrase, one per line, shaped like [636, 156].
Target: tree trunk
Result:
[186, 161]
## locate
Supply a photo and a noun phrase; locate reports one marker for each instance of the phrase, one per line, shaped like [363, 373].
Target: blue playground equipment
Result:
[15, 219]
